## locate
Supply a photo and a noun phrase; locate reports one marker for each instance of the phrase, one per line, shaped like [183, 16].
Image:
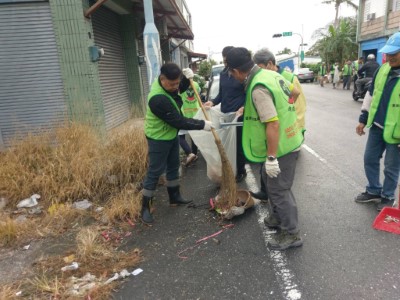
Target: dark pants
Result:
[185, 146]
[163, 156]
[280, 193]
[240, 158]
[346, 81]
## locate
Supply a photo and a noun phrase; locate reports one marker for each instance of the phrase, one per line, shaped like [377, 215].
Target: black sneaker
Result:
[285, 240]
[385, 202]
[272, 222]
[366, 198]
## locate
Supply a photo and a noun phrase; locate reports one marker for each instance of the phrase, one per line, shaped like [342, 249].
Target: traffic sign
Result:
[287, 33]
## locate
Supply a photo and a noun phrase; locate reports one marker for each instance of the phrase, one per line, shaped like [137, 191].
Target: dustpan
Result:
[389, 219]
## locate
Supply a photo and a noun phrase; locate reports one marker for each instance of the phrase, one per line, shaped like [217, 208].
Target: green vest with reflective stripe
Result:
[190, 104]
[346, 70]
[254, 136]
[391, 128]
[287, 75]
[154, 127]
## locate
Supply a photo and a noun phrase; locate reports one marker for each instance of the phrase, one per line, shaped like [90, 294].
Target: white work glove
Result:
[272, 168]
[188, 73]
[208, 125]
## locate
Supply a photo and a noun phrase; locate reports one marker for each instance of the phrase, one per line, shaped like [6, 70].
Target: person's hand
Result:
[188, 73]
[208, 125]
[239, 112]
[360, 129]
[208, 104]
[272, 168]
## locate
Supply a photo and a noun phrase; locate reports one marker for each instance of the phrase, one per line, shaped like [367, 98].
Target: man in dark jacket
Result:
[163, 120]
[231, 96]
[368, 69]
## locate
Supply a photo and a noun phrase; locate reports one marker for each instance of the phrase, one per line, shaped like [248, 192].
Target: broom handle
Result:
[216, 137]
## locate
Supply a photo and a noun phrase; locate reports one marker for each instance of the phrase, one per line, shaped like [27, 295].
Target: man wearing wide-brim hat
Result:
[271, 136]
[381, 114]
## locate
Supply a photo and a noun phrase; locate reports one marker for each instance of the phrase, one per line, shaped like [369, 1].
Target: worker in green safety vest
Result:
[270, 136]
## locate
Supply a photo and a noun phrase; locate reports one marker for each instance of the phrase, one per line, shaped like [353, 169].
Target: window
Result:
[16, 1]
[396, 5]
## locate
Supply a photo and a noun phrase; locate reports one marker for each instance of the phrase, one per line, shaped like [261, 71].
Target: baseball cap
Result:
[238, 57]
[392, 45]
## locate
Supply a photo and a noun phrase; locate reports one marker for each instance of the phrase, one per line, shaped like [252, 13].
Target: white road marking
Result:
[284, 275]
[346, 178]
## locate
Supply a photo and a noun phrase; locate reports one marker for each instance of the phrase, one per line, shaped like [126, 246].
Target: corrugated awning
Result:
[177, 25]
[197, 55]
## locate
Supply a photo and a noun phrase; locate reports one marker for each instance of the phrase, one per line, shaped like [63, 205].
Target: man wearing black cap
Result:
[231, 95]
[271, 136]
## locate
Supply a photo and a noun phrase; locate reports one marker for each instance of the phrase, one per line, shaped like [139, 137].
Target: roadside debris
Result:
[82, 205]
[26, 247]
[137, 272]
[29, 202]
[3, 202]
[71, 267]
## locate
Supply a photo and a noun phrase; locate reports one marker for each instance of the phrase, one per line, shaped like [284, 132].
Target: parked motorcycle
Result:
[364, 89]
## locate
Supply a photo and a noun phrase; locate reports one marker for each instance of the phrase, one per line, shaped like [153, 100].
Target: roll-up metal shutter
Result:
[143, 71]
[31, 88]
[113, 76]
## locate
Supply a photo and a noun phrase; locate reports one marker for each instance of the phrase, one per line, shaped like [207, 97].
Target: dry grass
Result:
[9, 292]
[70, 164]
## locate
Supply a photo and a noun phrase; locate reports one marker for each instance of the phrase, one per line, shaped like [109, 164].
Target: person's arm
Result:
[162, 107]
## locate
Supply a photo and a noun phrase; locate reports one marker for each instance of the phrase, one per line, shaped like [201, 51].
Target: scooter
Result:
[364, 89]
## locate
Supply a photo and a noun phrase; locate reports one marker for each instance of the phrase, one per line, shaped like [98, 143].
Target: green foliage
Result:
[312, 67]
[200, 80]
[205, 68]
[285, 51]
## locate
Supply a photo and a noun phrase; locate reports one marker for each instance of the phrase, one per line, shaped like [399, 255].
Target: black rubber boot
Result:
[175, 197]
[146, 216]
[262, 194]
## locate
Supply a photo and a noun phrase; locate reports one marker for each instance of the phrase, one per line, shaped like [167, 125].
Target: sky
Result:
[251, 23]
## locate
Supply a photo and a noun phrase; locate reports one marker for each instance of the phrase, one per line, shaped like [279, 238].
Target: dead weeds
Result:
[70, 164]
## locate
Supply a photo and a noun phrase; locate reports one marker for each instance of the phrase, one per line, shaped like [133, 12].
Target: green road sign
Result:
[288, 33]
[302, 55]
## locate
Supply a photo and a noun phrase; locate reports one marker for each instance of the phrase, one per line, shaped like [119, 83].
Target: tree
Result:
[285, 51]
[337, 44]
[205, 68]
[337, 6]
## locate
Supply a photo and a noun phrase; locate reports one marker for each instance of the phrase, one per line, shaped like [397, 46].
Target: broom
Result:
[227, 196]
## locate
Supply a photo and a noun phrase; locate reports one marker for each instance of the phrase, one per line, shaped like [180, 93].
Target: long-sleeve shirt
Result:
[369, 69]
[231, 93]
[162, 107]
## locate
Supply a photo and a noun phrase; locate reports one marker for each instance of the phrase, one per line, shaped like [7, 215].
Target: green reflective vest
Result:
[190, 104]
[391, 128]
[254, 138]
[154, 127]
[346, 70]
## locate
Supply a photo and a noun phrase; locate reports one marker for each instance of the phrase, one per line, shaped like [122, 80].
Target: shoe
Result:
[259, 195]
[272, 222]
[175, 197]
[191, 158]
[366, 198]
[285, 240]
[145, 214]
[240, 177]
[385, 202]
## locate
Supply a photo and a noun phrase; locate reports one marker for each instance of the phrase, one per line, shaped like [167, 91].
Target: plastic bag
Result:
[206, 143]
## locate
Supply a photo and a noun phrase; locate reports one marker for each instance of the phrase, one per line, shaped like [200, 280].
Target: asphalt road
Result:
[343, 257]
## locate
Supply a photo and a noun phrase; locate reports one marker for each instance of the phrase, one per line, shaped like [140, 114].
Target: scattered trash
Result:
[69, 259]
[35, 211]
[216, 241]
[80, 286]
[26, 247]
[3, 202]
[82, 205]
[99, 209]
[109, 280]
[124, 273]
[71, 267]
[137, 272]
[244, 201]
[18, 293]
[29, 202]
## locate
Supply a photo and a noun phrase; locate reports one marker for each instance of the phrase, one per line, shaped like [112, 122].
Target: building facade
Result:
[52, 66]
[377, 21]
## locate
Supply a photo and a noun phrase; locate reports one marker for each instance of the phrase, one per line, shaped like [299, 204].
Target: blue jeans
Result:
[163, 156]
[372, 156]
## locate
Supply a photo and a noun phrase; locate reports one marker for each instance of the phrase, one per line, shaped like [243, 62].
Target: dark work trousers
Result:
[240, 158]
[185, 145]
[163, 156]
[346, 81]
[283, 203]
